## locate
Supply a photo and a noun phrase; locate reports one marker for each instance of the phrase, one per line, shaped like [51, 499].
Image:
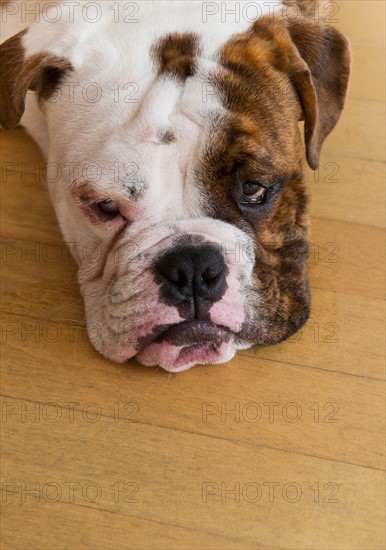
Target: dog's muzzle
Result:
[179, 302]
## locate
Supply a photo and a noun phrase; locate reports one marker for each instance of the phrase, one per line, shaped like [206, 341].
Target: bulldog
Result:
[171, 134]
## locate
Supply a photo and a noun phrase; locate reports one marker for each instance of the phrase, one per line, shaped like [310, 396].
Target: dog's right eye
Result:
[108, 209]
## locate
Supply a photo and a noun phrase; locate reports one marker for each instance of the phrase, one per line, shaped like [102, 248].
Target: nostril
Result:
[209, 278]
[179, 278]
[177, 274]
[211, 275]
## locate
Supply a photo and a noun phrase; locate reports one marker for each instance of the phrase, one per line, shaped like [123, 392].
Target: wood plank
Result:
[360, 132]
[349, 190]
[347, 258]
[343, 334]
[361, 20]
[338, 433]
[62, 526]
[173, 474]
[368, 73]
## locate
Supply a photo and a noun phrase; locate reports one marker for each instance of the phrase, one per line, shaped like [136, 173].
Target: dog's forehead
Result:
[137, 26]
[160, 142]
[147, 115]
[106, 48]
[153, 80]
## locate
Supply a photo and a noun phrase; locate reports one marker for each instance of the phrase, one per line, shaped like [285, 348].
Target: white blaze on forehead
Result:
[187, 110]
[200, 101]
[155, 110]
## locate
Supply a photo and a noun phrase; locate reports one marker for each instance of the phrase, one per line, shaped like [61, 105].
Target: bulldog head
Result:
[175, 168]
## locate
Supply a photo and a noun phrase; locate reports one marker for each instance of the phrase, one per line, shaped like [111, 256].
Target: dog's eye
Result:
[253, 193]
[108, 207]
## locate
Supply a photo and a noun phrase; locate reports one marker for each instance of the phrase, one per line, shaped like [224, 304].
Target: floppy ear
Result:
[323, 90]
[317, 59]
[40, 72]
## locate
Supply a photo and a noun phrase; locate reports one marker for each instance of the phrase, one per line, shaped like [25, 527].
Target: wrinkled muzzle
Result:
[172, 296]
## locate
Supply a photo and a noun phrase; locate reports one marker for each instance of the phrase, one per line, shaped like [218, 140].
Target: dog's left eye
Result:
[253, 193]
[108, 207]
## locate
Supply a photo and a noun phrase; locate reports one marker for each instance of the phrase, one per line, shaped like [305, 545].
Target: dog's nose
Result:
[194, 273]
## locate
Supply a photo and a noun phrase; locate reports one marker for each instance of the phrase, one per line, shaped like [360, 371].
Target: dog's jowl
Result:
[176, 134]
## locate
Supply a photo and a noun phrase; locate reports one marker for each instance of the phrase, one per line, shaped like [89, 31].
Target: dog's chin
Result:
[186, 344]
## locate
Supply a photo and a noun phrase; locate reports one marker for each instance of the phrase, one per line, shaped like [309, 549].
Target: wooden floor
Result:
[281, 448]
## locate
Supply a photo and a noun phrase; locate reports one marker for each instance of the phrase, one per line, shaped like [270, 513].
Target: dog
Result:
[173, 148]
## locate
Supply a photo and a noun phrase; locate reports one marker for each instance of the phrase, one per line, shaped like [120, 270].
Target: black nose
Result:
[194, 274]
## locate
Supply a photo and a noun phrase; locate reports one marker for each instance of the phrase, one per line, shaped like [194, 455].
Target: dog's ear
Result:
[322, 85]
[316, 58]
[41, 72]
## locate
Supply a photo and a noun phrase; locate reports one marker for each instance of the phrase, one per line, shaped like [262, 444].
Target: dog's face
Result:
[181, 195]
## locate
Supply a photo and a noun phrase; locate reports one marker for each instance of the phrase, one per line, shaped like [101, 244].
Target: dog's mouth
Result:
[194, 332]
[178, 347]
